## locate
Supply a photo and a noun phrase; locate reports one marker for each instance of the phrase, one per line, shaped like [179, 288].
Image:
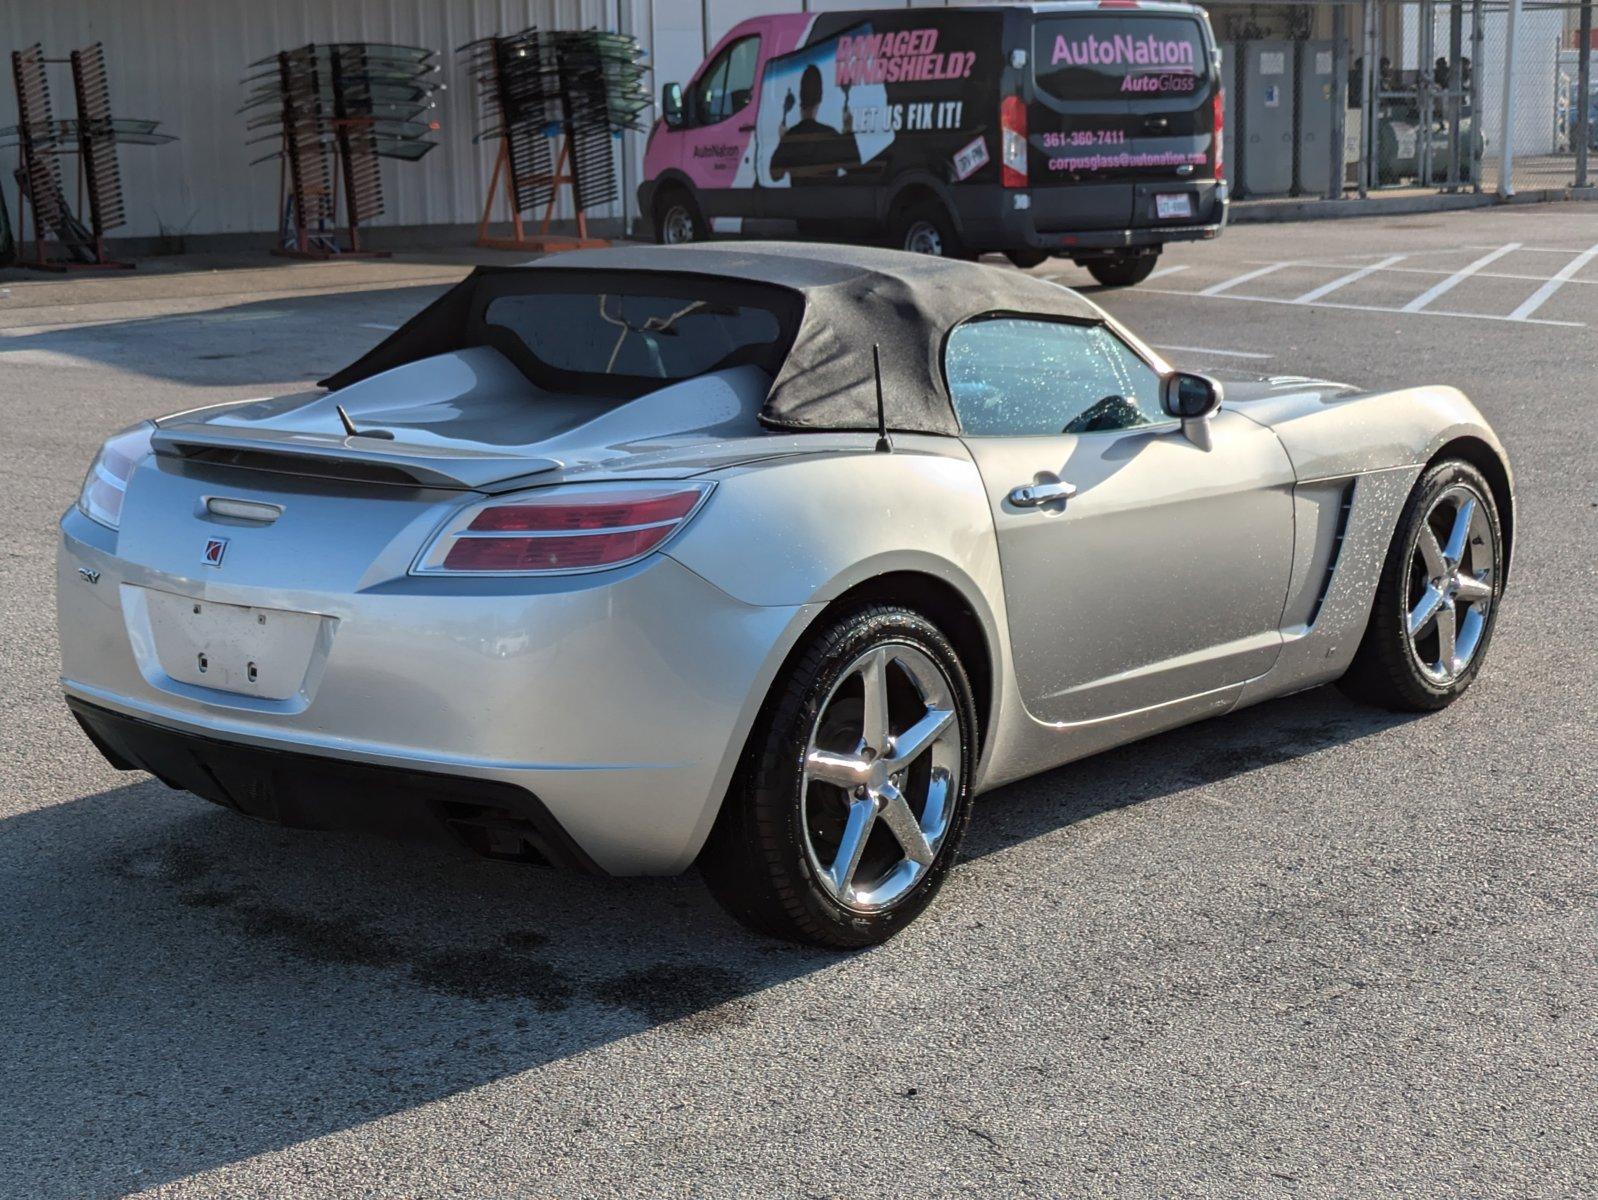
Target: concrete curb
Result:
[1249, 212]
[394, 238]
[422, 238]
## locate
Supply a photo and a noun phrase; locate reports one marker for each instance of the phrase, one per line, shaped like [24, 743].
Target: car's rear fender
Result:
[808, 529]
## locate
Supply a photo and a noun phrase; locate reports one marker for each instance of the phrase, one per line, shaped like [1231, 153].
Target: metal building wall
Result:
[181, 62]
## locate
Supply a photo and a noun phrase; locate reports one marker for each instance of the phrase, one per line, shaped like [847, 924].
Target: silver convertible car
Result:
[766, 557]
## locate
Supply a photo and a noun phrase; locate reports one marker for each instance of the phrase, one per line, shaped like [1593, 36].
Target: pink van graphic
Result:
[1085, 132]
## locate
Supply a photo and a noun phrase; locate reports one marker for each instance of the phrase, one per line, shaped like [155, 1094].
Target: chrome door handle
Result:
[1031, 495]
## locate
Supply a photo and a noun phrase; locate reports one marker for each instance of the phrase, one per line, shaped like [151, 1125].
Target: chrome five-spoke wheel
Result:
[1451, 584]
[880, 774]
[1437, 599]
[856, 788]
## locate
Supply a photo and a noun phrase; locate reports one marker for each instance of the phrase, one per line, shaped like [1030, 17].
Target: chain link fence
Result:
[1332, 98]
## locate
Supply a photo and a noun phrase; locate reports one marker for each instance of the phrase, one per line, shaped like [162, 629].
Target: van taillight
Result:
[1218, 111]
[1012, 139]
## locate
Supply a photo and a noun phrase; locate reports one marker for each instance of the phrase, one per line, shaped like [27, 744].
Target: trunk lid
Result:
[469, 419]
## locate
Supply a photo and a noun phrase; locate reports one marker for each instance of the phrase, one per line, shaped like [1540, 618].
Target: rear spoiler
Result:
[359, 459]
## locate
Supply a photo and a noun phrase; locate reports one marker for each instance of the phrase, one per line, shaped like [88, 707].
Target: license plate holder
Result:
[237, 648]
[1170, 206]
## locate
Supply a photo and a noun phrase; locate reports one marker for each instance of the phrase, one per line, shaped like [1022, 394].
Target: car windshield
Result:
[1119, 57]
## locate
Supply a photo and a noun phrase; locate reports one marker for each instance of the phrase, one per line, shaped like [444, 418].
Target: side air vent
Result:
[1344, 508]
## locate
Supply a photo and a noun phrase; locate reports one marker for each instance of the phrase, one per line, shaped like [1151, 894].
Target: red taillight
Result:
[1013, 143]
[1218, 112]
[573, 528]
[599, 512]
[551, 553]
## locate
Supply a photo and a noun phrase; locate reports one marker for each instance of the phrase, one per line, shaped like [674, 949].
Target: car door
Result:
[719, 151]
[1138, 568]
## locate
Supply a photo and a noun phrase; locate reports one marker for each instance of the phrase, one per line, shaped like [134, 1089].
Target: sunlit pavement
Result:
[1305, 950]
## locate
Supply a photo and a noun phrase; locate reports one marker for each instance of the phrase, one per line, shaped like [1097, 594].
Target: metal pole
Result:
[1584, 97]
[624, 25]
[1477, 139]
[1367, 115]
[1456, 47]
[1334, 183]
[1506, 126]
[1426, 90]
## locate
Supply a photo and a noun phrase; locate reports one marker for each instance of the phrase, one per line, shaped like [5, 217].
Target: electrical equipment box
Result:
[1317, 96]
[1266, 118]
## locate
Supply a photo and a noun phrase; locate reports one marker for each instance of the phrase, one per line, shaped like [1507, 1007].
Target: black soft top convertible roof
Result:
[853, 297]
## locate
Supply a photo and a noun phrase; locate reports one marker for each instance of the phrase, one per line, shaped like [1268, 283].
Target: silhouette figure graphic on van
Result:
[810, 150]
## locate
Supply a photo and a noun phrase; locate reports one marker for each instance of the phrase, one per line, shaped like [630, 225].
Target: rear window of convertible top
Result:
[624, 334]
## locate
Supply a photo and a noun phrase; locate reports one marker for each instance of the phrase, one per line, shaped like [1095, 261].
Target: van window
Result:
[1023, 377]
[727, 84]
[1119, 58]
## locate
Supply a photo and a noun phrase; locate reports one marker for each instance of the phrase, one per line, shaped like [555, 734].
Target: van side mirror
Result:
[1192, 399]
[671, 105]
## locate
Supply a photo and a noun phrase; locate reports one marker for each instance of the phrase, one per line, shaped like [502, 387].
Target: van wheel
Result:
[856, 786]
[926, 228]
[677, 219]
[1123, 269]
[1027, 259]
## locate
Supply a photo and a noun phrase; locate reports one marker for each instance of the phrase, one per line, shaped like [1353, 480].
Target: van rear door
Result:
[1121, 122]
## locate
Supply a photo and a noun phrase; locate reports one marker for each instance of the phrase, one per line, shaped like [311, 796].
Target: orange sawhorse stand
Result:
[543, 239]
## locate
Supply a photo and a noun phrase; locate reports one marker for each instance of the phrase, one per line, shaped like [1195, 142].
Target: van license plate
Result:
[1169, 205]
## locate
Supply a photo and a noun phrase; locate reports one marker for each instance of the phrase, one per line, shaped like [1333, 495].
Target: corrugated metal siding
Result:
[181, 62]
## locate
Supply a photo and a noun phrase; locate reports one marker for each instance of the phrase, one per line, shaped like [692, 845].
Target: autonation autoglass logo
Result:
[1123, 50]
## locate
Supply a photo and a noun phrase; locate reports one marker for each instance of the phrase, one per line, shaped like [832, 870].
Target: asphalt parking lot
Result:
[1304, 950]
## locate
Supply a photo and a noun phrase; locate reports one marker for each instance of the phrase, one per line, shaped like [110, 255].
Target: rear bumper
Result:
[991, 220]
[315, 791]
[617, 702]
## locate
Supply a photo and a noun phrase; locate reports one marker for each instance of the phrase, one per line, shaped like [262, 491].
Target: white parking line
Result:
[374, 325]
[1379, 308]
[1537, 298]
[1163, 271]
[1327, 289]
[1211, 350]
[1458, 277]
[1218, 288]
[1326, 262]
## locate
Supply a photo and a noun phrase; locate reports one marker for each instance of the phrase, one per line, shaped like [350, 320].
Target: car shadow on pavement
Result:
[255, 342]
[205, 988]
[1208, 752]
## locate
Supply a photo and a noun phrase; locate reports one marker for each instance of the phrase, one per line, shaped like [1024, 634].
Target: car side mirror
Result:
[671, 105]
[1192, 399]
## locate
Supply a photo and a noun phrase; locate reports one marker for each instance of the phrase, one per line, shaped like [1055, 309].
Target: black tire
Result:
[1027, 259]
[1386, 670]
[1122, 270]
[927, 228]
[756, 861]
[675, 210]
